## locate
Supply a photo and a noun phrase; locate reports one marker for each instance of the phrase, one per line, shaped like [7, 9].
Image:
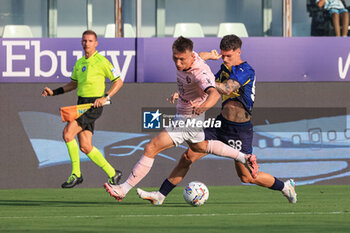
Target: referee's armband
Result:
[58, 91]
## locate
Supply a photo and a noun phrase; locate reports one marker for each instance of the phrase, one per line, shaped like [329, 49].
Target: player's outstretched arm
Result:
[213, 97]
[212, 55]
[227, 87]
[66, 88]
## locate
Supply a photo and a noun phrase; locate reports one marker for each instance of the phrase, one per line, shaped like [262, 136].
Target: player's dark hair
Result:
[229, 42]
[183, 44]
[90, 32]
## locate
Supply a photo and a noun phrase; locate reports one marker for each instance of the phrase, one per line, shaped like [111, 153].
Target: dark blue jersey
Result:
[244, 74]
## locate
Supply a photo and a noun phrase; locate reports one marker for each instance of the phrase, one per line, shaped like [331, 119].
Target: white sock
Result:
[126, 187]
[160, 195]
[221, 149]
[285, 188]
[140, 170]
[241, 158]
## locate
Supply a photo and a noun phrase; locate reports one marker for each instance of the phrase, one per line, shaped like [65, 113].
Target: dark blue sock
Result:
[277, 185]
[166, 187]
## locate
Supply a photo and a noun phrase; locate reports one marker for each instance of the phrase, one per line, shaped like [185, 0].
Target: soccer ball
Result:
[196, 193]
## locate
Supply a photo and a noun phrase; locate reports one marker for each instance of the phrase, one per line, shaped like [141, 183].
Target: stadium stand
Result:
[128, 31]
[238, 29]
[188, 30]
[17, 31]
[321, 21]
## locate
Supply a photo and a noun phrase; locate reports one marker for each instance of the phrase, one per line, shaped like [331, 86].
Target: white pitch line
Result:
[174, 215]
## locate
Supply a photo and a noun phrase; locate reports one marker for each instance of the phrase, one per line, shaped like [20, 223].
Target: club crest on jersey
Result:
[84, 68]
[188, 79]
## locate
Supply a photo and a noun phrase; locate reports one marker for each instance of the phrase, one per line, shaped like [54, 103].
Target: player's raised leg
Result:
[159, 143]
[221, 149]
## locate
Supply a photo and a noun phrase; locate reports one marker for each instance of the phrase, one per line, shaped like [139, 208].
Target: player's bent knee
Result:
[191, 158]
[199, 147]
[67, 137]
[186, 160]
[149, 148]
[85, 148]
[183, 164]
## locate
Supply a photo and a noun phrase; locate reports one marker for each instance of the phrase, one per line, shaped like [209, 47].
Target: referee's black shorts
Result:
[87, 120]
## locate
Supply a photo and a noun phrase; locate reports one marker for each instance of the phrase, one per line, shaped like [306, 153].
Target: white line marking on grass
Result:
[174, 215]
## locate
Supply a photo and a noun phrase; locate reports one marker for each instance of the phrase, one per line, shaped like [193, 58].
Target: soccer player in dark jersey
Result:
[235, 81]
[88, 77]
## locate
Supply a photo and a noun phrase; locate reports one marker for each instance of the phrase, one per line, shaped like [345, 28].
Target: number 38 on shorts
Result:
[237, 144]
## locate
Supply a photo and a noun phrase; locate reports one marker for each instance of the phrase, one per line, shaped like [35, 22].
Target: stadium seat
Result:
[17, 31]
[188, 30]
[128, 31]
[238, 29]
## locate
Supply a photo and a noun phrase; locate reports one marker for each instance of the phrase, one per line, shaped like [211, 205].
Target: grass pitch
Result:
[229, 209]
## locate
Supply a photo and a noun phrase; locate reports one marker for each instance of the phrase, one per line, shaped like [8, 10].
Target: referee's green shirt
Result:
[91, 74]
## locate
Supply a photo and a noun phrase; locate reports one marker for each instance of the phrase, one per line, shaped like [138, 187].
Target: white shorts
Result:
[185, 130]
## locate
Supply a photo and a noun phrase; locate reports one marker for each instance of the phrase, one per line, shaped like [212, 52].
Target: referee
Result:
[88, 77]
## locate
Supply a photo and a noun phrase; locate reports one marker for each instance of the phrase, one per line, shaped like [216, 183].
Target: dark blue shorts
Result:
[237, 135]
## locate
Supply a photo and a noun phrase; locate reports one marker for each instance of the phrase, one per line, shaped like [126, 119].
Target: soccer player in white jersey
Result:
[197, 93]
[236, 82]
